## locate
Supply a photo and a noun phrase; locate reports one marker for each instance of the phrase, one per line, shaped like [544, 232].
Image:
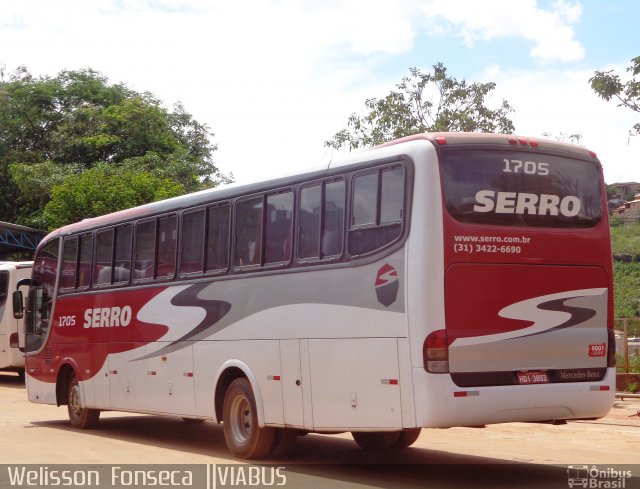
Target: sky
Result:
[275, 79]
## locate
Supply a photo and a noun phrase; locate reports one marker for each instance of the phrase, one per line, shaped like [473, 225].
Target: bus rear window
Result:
[512, 188]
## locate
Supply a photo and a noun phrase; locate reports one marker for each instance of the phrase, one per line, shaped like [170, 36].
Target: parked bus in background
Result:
[440, 280]
[11, 359]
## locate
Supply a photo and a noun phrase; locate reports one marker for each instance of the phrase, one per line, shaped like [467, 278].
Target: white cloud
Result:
[561, 101]
[551, 30]
[275, 78]
[272, 78]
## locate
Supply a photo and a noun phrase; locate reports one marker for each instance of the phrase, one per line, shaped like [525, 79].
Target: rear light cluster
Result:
[435, 352]
[523, 142]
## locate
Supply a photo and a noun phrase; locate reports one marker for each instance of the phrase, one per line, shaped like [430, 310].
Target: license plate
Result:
[532, 377]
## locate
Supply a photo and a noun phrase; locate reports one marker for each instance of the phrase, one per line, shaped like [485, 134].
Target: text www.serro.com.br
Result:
[492, 239]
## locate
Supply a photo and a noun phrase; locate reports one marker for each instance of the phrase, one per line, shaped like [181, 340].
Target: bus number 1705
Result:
[527, 167]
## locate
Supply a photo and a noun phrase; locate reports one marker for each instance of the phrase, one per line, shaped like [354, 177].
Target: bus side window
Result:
[104, 256]
[321, 221]
[85, 260]
[145, 250]
[122, 263]
[69, 264]
[365, 197]
[377, 210]
[392, 196]
[309, 222]
[333, 222]
[192, 245]
[248, 230]
[279, 222]
[218, 228]
[167, 246]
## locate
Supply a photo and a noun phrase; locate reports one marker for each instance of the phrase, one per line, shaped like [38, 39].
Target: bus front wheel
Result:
[79, 416]
[244, 437]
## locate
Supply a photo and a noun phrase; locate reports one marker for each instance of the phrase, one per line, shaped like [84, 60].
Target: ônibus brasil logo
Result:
[387, 285]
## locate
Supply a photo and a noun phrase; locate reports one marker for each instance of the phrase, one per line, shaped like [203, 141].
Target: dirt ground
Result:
[41, 434]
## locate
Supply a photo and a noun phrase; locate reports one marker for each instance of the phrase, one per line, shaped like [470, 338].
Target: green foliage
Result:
[625, 238]
[563, 137]
[424, 102]
[102, 189]
[633, 368]
[626, 289]
[633, 387]
[34, 183]
[54, 128]
[609, 85]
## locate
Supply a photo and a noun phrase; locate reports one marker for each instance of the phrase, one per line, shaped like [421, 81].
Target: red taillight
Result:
[518, 141]
[435, 352]
[441, 140]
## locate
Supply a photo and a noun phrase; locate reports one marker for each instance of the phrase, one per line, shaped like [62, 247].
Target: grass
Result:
[634, 364]
[625, 238]
[626, 291]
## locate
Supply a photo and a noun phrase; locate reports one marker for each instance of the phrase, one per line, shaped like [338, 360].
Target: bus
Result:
[436, 281]
[11, 359]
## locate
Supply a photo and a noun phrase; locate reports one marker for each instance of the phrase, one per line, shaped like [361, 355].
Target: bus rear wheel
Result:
[244, 437]
[408, 437]
[79, 416]
[284, 442]
[377, 440]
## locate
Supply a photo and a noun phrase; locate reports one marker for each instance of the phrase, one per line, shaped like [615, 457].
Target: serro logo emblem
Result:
[597, 350]
[387, 285]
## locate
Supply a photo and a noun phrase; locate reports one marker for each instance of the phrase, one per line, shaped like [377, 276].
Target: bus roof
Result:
[482, 138]
[234, 190]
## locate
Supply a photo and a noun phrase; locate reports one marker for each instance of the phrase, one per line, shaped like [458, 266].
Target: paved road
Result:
[517, 454]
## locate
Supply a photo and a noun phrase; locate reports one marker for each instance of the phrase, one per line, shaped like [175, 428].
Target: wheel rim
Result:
[241, 420]
[75, 408]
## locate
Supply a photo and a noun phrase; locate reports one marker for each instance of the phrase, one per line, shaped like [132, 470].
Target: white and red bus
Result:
[11, 359]
[440, 280]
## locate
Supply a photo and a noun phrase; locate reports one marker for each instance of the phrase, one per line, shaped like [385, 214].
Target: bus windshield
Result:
[517, 188]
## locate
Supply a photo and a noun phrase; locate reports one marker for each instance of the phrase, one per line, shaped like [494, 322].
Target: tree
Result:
[563, 137]
[609, 86]
[102, 189]
[54, 128]
[424, 102]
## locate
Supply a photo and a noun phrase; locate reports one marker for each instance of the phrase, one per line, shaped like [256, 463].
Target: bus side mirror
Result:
[14, 339]
[18, 304]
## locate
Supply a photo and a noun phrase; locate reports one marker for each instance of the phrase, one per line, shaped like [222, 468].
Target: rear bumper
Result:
[442, 404]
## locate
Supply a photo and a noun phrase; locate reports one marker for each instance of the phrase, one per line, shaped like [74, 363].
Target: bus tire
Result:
[408, 437]
[79, 416]
[244, 436]
[377, 440]
[192, 421]
[284, 442]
